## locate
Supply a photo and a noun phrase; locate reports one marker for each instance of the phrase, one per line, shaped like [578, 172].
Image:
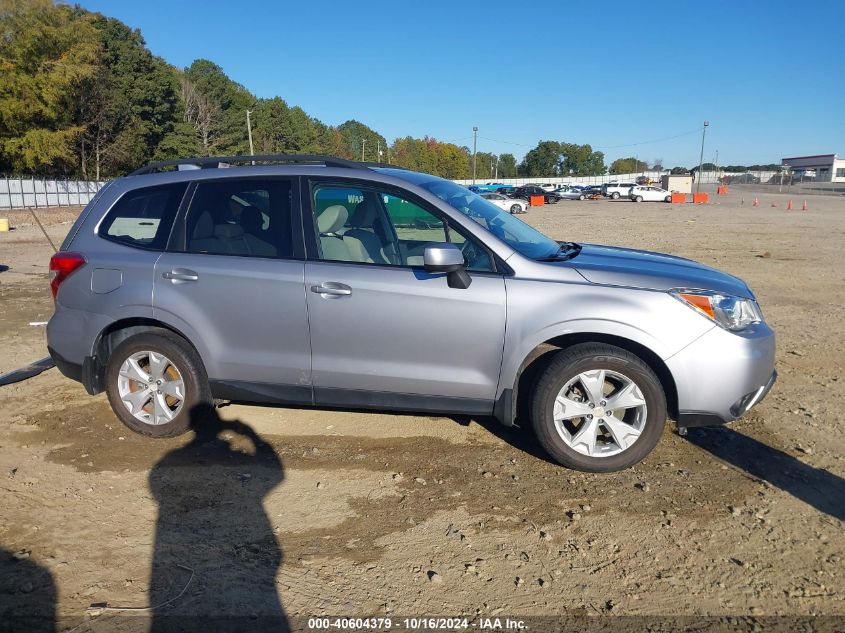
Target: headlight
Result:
[732, 313]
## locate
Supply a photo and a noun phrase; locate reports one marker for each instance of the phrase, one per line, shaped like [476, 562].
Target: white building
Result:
[827, 167]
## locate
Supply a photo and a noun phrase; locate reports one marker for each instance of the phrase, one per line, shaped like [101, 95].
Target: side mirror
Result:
[443, 257]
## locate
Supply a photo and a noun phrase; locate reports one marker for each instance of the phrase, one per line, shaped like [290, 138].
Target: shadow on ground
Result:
[814, 486]
[27, 594]
[216, 556]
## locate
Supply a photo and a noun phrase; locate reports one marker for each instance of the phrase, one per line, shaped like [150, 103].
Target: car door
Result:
[383, 331]
[233, 278]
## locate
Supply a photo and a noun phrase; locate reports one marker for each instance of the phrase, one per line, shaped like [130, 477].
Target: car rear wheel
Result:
[582, 197]
[615, 195]
[153, 381]
[515, 208]
[667, 199]
[598, 408]
[638, 199]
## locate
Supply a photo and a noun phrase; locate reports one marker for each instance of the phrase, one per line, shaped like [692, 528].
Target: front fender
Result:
[541, 311]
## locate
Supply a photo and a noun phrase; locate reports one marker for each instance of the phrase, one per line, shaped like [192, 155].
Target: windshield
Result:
[514, 232]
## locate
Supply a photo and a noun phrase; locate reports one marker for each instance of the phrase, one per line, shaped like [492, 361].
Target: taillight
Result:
[62, 265]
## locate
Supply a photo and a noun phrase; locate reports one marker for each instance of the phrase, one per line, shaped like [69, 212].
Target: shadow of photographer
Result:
[216, 556]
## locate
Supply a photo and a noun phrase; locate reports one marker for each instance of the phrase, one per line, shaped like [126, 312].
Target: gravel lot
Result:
[401, 515]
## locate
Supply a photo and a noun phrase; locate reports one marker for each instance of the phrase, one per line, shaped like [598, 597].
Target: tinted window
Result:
[143, 217]
[249, 217]
[372, 227]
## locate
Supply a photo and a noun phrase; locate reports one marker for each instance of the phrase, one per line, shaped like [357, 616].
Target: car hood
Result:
[644, 269]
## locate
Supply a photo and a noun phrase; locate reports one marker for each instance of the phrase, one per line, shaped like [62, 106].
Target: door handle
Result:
[181, 274]
[332, 288]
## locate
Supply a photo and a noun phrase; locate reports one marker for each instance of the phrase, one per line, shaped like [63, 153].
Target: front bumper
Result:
[738, 409]
[722, 374]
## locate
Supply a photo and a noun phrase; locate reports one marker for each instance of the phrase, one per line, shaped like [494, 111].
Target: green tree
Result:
[507, 166]
[46, 52]
[128, 106]
[581, 160]
[543, 160]
[679, 170]
[359, 138]
[628, 165]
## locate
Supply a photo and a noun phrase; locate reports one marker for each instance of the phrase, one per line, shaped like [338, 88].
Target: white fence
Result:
[19, 193]
[707, 177]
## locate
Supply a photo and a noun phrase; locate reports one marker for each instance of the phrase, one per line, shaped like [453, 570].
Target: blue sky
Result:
[769, 75]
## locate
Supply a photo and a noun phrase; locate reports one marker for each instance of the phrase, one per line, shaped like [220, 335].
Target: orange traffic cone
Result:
[804, 208]
[756, 203]
[789, 206]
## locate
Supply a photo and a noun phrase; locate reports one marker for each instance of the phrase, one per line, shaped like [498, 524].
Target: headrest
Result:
[332, 219]
[204, 227]
[364, 215]
[228, 231]
[251, 219]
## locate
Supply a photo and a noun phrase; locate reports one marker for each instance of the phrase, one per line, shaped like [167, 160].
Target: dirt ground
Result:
[311, 512]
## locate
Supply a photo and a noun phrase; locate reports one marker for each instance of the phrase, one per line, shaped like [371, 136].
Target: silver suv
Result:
[305, 280]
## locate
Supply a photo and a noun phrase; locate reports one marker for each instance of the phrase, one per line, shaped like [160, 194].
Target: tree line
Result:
[82, 96]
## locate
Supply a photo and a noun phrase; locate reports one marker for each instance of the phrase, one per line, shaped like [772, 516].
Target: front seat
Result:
[361, 239]
[329, 222]
[203, 239]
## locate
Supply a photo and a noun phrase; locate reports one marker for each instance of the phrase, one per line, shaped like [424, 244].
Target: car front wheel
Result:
[515, 208]
[667, 199]
[153, 381]
[615, 195]
[598, 408]
[638, 199]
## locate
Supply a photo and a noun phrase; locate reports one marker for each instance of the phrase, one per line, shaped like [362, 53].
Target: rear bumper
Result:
[89, 373]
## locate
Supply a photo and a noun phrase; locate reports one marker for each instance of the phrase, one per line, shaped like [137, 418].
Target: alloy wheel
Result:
[151, 387]
[600, 413]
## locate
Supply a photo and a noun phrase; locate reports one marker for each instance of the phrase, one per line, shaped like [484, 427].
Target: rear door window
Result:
[244, 217]
[143, 217]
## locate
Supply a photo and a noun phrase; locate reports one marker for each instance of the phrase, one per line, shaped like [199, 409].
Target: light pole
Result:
[474, 150]
[701, 157]
[363, 142]
[249, 133]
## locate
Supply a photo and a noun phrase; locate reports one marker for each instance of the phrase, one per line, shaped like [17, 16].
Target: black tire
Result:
[638, 199]
[566, 364]
[615, 195]
[515, 208]
[189, 365]
[582, 197]
[667, 199]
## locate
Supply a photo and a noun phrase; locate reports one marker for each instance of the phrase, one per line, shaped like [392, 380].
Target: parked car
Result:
[571, 193]
[616, 189]
[650, 194]
[549, 197]
[341, 284]
[508, 204]
[592, 191]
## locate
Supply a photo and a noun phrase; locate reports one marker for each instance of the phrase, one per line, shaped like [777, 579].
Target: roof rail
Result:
[213, 162]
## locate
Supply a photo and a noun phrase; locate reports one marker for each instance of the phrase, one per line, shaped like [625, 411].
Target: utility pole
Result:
[378, 150]
[249, 133]
[496, 177]
[363, 142]
[701, 157]
[474, 150]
